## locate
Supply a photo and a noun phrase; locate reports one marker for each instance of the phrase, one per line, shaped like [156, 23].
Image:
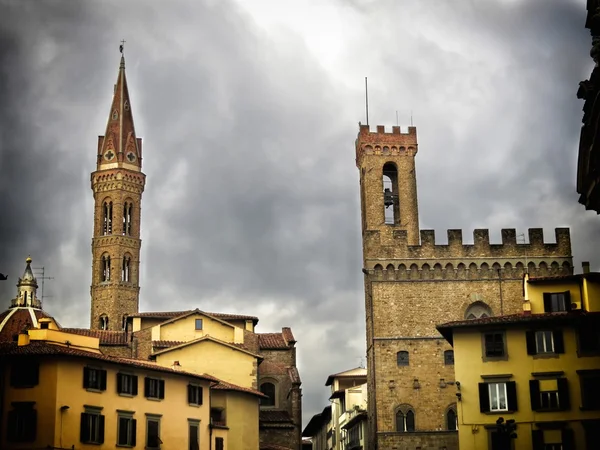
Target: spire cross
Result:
[122, 46]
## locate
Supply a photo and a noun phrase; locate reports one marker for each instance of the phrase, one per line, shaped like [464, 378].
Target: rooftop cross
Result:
[122, 46]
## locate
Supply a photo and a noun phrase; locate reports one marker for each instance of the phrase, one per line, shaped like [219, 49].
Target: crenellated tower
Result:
[118, 184]
[413, 283]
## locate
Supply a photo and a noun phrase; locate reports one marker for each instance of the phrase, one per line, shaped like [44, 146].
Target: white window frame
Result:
[497, 389]
[544, 341]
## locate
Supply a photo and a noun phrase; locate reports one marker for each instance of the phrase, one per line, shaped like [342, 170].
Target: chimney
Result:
[23, 339]
[586, 266]
[176, 365]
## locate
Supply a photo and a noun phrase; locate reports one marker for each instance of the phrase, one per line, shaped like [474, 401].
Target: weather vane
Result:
[121, 46]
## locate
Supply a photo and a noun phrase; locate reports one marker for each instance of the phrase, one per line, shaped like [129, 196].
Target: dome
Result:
[18, 319]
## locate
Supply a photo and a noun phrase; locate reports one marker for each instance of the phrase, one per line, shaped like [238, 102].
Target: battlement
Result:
[395, 245]
[379, 142]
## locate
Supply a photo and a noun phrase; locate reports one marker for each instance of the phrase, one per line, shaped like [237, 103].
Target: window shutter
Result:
[530, 338]
[134, 385]
[190, 394]
[568, 439]
[567, 300]
[35, 374]
[559, 343]
[511, 395]
[101, 429]
[120, 383]
[200, 395]
[161, 393]
[537, 436]
[32, 417]
[534, 393]
[86, 377]
[564, 400]
[102, 380]
[84, 429]
[11, 426]
[133, 431]
[146, 387]
[547, 302]
[484, 398]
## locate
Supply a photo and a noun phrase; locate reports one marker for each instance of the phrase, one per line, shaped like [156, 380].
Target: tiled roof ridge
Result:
[226, 386]
[106, 337]
[173, 314]
[518, 318]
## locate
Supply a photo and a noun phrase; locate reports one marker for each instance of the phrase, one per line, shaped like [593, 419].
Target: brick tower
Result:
[412, 284]
[117, 183]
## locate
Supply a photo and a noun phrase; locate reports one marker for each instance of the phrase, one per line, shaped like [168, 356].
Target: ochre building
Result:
[413, 283]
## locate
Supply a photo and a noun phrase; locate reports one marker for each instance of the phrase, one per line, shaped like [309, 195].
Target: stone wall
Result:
[422, 441]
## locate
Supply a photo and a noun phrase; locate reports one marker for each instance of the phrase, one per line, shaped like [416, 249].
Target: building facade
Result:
[412, 283]
[538, 369]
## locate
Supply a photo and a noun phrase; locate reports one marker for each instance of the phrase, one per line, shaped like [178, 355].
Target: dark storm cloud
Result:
[251, 202]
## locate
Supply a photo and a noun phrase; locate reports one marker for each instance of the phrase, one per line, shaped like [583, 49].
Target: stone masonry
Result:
[412, 283]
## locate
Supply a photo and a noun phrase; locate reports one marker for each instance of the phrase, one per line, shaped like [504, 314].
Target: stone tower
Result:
[117, 183]
[412, 284]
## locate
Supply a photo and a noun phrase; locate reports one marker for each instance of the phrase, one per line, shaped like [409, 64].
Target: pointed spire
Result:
[120, 146]
[27, 288]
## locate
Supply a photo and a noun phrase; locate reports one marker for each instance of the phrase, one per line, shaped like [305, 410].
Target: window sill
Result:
[195, 405]
[494, 358]
[97, 391]
[124, 445]
[154, 399]
[493, 413]
[125, 394]
[546, 356]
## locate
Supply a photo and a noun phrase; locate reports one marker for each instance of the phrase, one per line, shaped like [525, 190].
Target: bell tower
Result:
[117, 184]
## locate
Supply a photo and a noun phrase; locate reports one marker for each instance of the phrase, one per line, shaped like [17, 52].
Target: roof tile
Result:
[106, 337]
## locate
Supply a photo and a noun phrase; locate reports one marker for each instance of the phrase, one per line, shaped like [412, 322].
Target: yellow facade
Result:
[555, 400]
[186, 329]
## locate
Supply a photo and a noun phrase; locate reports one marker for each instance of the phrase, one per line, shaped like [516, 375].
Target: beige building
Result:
[413, 283]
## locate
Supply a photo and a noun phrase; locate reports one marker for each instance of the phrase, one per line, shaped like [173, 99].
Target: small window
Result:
[217, 416]
[127, 384]
[556, 302]
[194, 394]
[94, 379]
[44, 325]
[92, 426]
[494, 345]
[405, 420]
[269, 390]
[154, 388]
[449, 357]
[24, 374]
[402, 358]
[22, 423]
[544, 342]
[498, 397]
[198, 324]
[219, 443]
[194, 435]
[589, 381]
[153, 433]
[126, 430]
[451, 420]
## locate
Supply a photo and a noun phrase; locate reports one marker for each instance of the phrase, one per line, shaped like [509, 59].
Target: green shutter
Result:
[134, 385]
[133, 431]
[559, 343]
[102, 374]
[484, 398]
[564, 399]
[534, 394]
[161, 393]
[511, 395]
[100, 429]
[84, 429]
[537, 436]
[530, 339]
[86, 377]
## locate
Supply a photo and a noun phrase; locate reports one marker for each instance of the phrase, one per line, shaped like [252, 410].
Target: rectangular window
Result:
[92, 426]
[494, 345]
[549, 394]
[154, 388]
[557, 301]
[94, 379]
[544, 342]
[498, 397]
[194, 394]
[22, 422]
[217, 416]
[126, 430]
[588, 339]
[198, 324]
[194, 434]
[589, 381]
[153, 433]
[24, 374]
[449, 357]
[553, 439]
[127, 384]
[219, 443]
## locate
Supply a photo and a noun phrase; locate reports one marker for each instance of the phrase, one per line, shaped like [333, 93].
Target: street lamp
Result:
[506, 432]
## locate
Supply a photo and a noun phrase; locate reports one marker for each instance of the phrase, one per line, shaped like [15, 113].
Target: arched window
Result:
[402, 358]
[478, 310]
[449, 357]
[124, 322]
[127, 214]
[107, 214]
[269, 390]
[105, 268]
[405, 419]
[390, 194]
[125, 270]
[451, 419]
[103, 322]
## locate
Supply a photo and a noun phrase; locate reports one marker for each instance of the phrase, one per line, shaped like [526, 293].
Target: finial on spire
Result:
[122, 46]
[28, 260]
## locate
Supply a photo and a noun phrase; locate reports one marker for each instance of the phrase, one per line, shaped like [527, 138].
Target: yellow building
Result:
[540, 368]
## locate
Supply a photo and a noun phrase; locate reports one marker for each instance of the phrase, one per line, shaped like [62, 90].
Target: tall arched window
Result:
[405, 419]
[390, 194]
[125, 322]
[107, 214]
[105, 268]
[402, 358]
[127, 214]
[103, 322]
[269, 390]
[125, 270]
[451, 419]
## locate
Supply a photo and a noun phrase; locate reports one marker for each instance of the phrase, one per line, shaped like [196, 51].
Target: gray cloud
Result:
[251, 202]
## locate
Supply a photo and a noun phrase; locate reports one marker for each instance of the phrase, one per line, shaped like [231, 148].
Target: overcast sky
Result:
[248, 112]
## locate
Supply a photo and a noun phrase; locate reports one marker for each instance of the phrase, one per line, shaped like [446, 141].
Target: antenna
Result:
[519, 236]
[397, 123]
[367, 99]
[43, 277]
[411, 121]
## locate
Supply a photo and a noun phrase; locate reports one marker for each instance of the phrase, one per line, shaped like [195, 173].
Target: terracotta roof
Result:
[287, 335]
[317, 421]
[275, 416]
[225, 386]
[166, 344]
[172, 314]
[39, 348]
[516, 320]
[15, 320]
[593, 276]
[294, 375]
[268, 341]
[106, 337]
